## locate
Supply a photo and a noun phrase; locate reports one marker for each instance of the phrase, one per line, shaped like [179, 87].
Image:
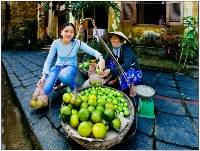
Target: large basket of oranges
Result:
[97, 117]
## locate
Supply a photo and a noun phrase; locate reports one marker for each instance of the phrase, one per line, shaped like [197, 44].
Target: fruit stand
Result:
[97, 117]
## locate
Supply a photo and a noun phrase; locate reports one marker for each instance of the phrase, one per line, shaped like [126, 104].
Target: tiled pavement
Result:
[176, 126]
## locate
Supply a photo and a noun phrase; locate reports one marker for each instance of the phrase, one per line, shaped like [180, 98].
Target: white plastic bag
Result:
[39, 98]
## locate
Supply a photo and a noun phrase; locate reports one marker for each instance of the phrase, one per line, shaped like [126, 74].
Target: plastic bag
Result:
[39, 99]
[94, 77]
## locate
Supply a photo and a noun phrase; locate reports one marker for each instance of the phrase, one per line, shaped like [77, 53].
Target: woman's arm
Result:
[49, 59]
[90, 50]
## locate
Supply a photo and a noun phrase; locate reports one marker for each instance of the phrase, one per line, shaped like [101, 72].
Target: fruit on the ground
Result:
[74, 121]
[84, 114]
[85, 129]
[67, 97]
[96, 116]
[99, 130]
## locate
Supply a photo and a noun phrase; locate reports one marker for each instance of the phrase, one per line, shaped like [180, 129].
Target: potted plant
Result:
[189, 41]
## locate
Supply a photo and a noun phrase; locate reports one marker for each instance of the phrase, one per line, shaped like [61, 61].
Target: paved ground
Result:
[176, 125]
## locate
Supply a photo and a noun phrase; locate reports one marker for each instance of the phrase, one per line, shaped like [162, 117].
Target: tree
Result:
[78, 7]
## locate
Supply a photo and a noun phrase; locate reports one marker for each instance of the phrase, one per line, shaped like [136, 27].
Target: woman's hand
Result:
[41, 81]
[132, 92]
[113, 82]
[105, 73]
[101, 64]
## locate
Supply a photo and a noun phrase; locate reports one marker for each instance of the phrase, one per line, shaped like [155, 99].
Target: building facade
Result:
[134, 16]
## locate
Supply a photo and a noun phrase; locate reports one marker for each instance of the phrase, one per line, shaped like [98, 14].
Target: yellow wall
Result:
[137, 31]
[190, 8]
[195, 9]
[113, 21]
[187, 9]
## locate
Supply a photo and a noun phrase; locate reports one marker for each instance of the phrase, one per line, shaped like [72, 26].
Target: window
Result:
[174, 11]
[128, 12]
[99, 14]
[151, 12]
[175, 14]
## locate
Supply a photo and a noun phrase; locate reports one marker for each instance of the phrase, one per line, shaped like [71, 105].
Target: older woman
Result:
[126, 58]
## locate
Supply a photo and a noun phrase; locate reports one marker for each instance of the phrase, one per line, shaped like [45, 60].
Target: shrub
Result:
[150, 38]
[171, 43]
[189, 41]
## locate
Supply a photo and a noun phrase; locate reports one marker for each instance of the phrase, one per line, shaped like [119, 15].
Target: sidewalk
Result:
[175, 127]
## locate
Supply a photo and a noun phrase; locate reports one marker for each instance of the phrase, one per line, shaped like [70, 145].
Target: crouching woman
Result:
[65, 50]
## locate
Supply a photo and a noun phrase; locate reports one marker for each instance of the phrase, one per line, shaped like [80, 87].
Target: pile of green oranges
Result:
[94, 111]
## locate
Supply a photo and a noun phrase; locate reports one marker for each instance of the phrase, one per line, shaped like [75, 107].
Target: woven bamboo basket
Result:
[112, 138]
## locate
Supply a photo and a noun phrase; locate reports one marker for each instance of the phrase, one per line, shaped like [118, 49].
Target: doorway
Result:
[100, 16]
[149, 12]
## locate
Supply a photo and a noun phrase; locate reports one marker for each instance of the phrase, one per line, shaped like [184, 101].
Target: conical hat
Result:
[120, 34]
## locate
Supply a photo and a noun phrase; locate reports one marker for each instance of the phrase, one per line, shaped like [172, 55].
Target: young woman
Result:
[126, 58]
[65, 50]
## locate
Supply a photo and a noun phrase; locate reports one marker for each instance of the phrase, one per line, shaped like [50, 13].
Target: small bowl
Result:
[145, 91]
